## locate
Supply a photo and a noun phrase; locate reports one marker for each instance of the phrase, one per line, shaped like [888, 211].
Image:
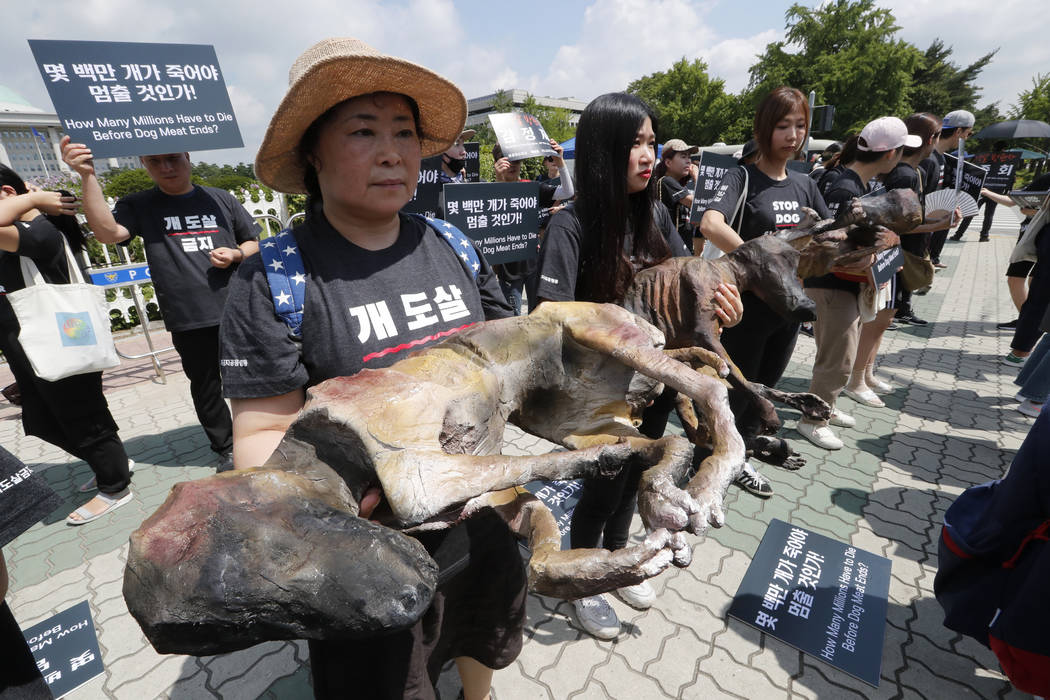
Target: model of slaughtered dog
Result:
[279, 552]
[677, 297]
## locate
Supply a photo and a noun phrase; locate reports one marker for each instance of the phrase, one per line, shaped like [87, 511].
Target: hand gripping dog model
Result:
[279, 552]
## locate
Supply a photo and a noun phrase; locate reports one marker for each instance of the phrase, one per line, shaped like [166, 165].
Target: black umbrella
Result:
[1016, 129]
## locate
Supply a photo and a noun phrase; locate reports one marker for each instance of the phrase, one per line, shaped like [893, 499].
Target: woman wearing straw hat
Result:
[350, 132]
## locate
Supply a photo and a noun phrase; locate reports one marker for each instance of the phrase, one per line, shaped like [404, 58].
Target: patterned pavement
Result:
[949, 424]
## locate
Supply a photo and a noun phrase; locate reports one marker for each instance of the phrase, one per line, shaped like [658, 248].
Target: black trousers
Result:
[989, 212]
[603, 513]
[71, 414]
[199, 351]
[937, 244]
[761, 346]
[1030, 319]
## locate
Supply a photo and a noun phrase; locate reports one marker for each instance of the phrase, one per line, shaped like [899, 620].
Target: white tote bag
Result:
[65, 327]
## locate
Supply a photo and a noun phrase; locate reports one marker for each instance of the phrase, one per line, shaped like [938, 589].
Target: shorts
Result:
[1021, 268]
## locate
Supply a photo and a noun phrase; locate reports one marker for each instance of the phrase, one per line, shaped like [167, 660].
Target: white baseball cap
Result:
[887, 134]
[960, 118]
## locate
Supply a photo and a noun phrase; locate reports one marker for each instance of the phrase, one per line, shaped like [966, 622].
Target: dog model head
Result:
[768, 268]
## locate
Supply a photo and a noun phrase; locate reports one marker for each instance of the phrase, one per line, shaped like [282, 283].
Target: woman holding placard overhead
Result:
[70, 413]
[591, 252]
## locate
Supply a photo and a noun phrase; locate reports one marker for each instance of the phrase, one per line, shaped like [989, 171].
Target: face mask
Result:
[454, 164]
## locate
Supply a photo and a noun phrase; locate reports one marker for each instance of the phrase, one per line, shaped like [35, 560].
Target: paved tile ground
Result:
[948, 425]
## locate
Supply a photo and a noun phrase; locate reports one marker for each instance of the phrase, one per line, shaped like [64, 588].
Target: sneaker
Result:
[865, 397]
[1012, 360]
[1008, 325]
[91, 484]
[939, 266]
[1030, 408]
[597, 617]
[957, 238]
[819, 435]
[753, 482]
[841, 419]
[892, 327]
[806, 328]
[225, 462]
[640, 595]
[911, 319]
[878, 386]
[983, 239]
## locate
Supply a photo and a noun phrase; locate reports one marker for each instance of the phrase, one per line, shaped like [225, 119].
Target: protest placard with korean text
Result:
[65, 648]
[133, 99]
[821, 596]
[503, 217]
[710, 171]
[521, 136]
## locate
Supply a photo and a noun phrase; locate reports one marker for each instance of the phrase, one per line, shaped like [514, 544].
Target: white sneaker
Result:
[640, 595]
[1030, 408]
[819, 435]
[841, 419]
[597, 617]
[865, 397]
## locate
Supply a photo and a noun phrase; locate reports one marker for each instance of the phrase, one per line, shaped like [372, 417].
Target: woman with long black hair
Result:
[70, 413]
[592, 250]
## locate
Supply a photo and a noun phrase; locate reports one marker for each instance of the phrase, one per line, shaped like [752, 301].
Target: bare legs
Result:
[870, 338]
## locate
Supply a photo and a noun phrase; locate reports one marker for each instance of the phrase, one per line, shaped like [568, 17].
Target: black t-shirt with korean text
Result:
[771, 205]
[362, 308]
[179, 232]
[40, 241]
[559, 264]
[846, 187]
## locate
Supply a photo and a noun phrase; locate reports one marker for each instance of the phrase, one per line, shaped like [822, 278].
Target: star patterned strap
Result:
[287, 278]
[457, 241]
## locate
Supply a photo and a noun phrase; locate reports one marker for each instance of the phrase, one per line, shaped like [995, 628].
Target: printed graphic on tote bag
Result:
[75, 328]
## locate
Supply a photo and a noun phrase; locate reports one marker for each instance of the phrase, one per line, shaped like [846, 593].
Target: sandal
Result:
[112, 503]
[92, 484]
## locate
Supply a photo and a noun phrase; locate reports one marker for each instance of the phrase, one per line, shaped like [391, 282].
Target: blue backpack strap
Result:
[286, 277]
[458, 241]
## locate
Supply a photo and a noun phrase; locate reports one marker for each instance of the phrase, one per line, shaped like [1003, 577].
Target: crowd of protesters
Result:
[352, 140]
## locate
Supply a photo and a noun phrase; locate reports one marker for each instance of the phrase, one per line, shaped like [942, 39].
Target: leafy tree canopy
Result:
[940, 86]
[690, 104]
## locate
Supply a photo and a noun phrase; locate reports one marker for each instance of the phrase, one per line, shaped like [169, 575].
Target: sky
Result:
[566, 49]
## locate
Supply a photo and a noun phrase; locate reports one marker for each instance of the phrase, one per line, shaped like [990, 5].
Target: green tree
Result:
[690, 104]
[1034, 103]
[845, 51]
[121, 183]
[940, 86]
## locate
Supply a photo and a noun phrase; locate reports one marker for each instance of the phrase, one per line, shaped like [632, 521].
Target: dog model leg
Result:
[628, 345]
[811, 405]
[420, 484]
[696, 357]
[577, 573]
[775, 451]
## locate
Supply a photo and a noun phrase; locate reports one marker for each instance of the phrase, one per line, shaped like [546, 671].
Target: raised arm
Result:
[99, 217]
[12, 208]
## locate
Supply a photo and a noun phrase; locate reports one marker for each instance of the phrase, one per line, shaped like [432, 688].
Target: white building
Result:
[29, 139]
[478, 108]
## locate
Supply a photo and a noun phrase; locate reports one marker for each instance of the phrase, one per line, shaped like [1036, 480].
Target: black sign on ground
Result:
[972, 176]
[521, 136]
[65, 647]
[473, 161]
[710, 171]
[427, 199]
[134, 99]
[821, 596]
[1002, 169]
[503, 217]
[886, 265]
[561, 497]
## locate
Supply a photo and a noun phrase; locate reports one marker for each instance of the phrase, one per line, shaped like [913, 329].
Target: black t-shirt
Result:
[847, 186]
[40, 241]
[559, 263]
[179, 233]
[672, 192]
[771, 205]
[362, 309]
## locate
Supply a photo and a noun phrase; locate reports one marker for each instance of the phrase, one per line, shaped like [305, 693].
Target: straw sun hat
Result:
[335, 70]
